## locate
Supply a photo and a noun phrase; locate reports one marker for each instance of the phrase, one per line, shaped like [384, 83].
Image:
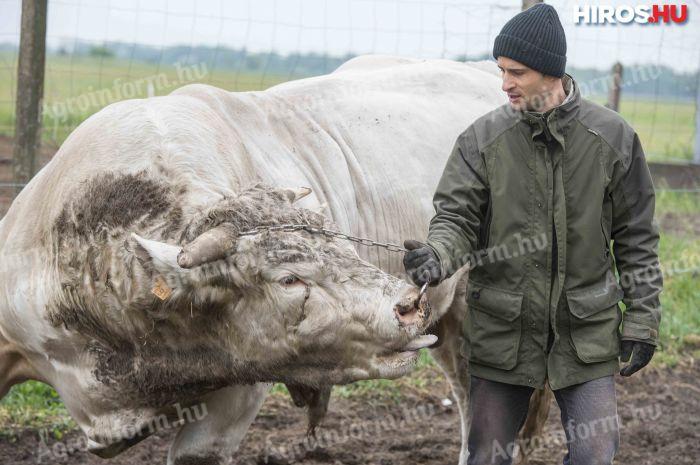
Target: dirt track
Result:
[659, 413]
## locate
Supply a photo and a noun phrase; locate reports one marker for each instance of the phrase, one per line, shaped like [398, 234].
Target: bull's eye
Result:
[289, 280]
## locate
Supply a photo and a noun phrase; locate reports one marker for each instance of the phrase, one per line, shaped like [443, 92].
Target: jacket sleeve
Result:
[460, 202]
[635, 247]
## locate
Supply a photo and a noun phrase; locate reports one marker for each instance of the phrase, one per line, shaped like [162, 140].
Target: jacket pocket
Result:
[493, 326]
[594, 319]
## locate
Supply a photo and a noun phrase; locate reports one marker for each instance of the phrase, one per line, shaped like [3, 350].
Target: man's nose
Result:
[507, 85]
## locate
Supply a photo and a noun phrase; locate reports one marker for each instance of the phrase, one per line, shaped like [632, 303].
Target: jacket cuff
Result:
[442, 256]
[633, 331]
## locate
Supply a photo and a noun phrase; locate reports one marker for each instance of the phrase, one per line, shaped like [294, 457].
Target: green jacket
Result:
[533, 201]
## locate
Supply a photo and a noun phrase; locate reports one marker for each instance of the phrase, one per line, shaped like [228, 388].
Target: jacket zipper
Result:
[545, 128]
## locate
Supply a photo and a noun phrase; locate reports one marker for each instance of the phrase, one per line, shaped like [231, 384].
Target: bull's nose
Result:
[410, 310]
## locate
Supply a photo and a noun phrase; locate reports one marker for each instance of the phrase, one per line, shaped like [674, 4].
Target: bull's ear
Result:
[162, 256]
[294, 194]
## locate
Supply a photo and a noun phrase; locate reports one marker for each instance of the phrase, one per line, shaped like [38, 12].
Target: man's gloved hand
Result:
[641, 353]
[421, 263]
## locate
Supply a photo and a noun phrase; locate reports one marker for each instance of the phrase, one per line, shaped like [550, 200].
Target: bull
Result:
[131, 281]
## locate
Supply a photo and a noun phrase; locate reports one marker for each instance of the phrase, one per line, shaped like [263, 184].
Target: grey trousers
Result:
[588, 416]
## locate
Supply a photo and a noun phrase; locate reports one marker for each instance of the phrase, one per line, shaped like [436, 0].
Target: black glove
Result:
[421, 263]
[641, 353]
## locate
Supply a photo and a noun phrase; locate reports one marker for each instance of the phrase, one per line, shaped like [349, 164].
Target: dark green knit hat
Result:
[534, 37]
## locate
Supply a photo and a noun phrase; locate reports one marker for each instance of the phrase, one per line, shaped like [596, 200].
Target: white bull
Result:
[369, 139]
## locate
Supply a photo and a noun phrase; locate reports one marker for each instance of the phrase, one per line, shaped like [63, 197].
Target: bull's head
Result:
[300, 307]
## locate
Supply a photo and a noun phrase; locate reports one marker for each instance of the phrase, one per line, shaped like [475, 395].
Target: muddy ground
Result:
[659, 412]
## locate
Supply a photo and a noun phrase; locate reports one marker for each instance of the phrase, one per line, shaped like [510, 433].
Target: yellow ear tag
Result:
[161, 288]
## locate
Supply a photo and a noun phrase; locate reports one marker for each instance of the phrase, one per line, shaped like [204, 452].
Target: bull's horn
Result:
[209, 246]
[163, 255]
[298, 193]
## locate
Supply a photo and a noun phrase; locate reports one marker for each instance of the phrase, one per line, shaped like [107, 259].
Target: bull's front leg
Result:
[213, 439]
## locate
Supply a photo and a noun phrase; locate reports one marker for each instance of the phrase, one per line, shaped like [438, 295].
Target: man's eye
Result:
[289, 280]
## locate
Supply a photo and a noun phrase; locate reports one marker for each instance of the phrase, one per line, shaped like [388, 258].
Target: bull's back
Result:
[371, 139]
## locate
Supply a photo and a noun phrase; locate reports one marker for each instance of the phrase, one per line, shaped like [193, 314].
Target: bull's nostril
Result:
[404, 310]
[410, 309]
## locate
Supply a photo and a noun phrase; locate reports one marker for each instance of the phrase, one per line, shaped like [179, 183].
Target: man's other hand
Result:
[421, 263]
[641, 353]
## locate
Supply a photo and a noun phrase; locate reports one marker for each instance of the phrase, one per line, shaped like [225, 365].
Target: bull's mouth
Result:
[400, 362]
[420, 342]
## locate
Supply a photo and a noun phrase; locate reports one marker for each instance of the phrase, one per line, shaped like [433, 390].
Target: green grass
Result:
[76, 87]
[682, 203]
[34, 405]
[681, 295]
[679, 254]
[666, 128]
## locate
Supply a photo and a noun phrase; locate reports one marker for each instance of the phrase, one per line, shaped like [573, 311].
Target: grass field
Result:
[666, 129]
[679, 252]
[78, 86]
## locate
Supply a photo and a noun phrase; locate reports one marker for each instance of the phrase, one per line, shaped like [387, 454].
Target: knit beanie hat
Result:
[534, 37]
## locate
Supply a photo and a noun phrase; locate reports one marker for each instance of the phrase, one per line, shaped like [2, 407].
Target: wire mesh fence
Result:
[102, 51]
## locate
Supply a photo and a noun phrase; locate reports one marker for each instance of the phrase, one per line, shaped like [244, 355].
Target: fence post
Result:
[528, 3]
[30, 89]
[696, 156]
[614, 91]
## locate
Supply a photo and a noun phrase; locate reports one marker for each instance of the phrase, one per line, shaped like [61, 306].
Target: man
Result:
[532, 195]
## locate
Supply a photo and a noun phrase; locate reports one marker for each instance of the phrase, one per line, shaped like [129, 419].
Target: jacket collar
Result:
[558, 118]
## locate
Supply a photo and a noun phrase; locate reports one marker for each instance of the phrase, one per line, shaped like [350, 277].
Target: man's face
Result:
[526, 88]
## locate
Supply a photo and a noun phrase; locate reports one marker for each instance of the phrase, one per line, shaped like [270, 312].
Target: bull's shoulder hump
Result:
[200, 90]
[373, 62]
[214, 98]
[608, 124]
[395, 74]
[378, 62]
[487, 66]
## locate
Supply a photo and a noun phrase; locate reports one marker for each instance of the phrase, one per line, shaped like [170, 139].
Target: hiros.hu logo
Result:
[626, 14]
